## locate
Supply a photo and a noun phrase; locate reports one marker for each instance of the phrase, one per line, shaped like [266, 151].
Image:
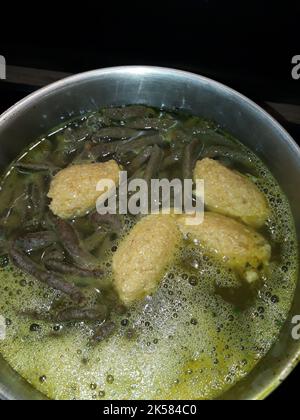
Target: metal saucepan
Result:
[50, 106]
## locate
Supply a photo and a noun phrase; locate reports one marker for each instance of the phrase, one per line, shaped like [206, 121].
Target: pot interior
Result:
[53, 105]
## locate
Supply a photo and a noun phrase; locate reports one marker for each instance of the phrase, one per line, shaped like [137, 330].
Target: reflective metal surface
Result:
[161, 87]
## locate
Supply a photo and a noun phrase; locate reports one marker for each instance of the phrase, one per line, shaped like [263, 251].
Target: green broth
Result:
[197, 336]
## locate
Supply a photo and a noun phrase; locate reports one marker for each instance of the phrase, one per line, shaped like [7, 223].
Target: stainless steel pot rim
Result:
[140, 71]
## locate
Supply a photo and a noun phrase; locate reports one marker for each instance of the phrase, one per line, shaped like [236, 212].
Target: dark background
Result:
[247, 45]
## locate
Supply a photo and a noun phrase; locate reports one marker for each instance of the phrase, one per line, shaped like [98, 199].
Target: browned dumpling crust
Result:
[74, 189]
[142, 258]
[230, 193]
[232, 242]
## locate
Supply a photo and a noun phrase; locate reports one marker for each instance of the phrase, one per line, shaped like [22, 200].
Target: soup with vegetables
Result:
[123, 306]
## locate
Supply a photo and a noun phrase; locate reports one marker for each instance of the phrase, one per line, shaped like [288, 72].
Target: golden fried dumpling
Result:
[73, 190]
[230, 193]
[232, 242]
[142, 258]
